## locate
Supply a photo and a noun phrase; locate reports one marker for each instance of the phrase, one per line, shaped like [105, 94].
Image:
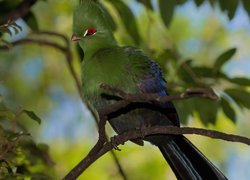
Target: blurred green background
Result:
[197, 43]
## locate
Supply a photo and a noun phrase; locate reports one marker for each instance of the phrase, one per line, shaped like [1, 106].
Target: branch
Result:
[21, 10]
[204, 93]
[169, 130]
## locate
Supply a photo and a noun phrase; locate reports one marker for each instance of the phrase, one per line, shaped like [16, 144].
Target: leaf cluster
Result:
[20, 155]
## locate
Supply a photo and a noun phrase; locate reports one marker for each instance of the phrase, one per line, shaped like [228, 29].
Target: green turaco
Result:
[128, 69]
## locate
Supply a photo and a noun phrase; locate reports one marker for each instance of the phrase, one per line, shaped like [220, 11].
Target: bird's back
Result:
[130, 70]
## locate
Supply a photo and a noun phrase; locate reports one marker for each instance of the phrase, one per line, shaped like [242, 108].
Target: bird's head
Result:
[90, 26]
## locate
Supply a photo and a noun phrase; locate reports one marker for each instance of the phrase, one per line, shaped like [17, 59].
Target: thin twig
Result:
[127, 98]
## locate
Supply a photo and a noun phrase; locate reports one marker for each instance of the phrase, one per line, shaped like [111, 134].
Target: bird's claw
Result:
[114, 143]
[142, 131]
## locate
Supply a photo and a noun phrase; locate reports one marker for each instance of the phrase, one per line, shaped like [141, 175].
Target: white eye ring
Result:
[85, 33]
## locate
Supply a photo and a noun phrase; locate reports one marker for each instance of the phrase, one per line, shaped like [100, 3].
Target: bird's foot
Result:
[142, 131]
[114, 143]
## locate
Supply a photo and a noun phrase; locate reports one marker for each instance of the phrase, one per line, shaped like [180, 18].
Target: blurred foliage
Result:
[38, 78]
[20, 156]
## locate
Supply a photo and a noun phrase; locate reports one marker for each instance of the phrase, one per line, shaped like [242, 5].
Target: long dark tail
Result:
[186, 161]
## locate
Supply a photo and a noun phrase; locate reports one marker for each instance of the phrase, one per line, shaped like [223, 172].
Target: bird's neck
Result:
[94, 46]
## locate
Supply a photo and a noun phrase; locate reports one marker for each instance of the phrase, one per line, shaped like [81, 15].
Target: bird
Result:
[129, 69]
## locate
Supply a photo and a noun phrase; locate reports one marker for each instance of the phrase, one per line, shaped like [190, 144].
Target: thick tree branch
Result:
[21, 10]
[170, 130]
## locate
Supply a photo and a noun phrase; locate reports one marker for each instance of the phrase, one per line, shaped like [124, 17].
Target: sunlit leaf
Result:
[167, 10]
[228, 110]
[222, 59]
[33, 116]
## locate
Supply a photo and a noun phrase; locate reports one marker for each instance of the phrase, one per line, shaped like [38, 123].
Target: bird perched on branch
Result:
[130, 70]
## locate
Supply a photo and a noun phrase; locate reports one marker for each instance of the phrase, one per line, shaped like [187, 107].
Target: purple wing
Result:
[153, 82]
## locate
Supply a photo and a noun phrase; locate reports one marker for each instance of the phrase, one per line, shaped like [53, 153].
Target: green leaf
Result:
[203, 71]
[198, 2]
[31, 21]
[240, 81]
[180, 2]
[33, 116]
[167, 10]
[222, 59]
[240, 96]
[228, 110]
[127, 18]
[207, 110]
[183, 73]
[184, 109]
[230, 6]
[212, 2]
[246, 4]
[146, 3]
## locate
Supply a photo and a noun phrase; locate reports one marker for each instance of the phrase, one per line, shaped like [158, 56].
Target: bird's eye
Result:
[89, 32]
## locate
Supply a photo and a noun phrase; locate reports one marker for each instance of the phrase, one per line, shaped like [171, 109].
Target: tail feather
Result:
[178, 162]
[187, 162]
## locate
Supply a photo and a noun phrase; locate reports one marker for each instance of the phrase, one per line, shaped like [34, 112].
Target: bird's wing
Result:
[149, 79]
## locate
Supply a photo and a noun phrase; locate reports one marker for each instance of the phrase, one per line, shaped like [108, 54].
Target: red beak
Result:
[75, 38]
